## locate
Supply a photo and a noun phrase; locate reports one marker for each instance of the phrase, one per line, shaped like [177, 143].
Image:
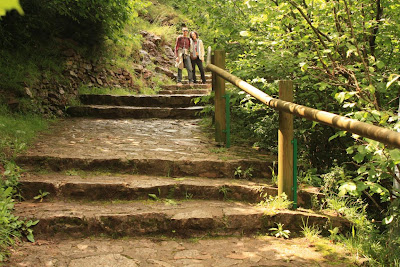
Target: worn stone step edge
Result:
[111, 112]
[164, 167]
[206, 73]
[208, 81]
[141, 100]
[187, 218]
[188, 91]
[186, 86]
[138, 188]
[198, 76]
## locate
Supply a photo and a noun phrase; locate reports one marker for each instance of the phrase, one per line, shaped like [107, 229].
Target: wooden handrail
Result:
[371, 131]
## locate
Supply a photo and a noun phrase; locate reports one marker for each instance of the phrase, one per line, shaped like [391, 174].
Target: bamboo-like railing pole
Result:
[377, 133]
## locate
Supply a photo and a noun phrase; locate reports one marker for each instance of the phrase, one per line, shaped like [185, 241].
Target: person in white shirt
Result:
[197, 56]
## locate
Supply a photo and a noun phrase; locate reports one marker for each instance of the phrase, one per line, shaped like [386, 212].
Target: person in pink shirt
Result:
[183, 49]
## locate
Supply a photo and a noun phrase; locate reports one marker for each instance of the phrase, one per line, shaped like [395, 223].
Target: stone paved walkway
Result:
[258, 251]
[132, 138]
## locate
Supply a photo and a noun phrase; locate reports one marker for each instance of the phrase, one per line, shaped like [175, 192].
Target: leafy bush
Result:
[86, 21]
[9, 5]
[16, 130]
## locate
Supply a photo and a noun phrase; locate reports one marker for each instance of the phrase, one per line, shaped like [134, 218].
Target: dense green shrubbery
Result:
[89, 22]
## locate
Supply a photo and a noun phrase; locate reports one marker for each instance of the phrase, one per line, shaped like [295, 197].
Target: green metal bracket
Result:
[227, 130]
[294, 142]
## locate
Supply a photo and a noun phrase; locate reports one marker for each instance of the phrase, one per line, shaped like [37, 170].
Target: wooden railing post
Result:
[285, 147]
[219, 90]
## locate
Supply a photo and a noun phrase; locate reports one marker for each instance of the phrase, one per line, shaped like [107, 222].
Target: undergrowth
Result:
[16, 131]
[27, 66]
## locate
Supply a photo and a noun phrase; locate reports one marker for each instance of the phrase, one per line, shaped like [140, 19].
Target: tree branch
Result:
[372, 39]
[361, 55]
[315, 30]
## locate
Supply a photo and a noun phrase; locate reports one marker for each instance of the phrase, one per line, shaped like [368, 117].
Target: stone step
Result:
[186, 86]
[183, 100]
[198, 82]
[94, 187]
[167, 147]
[185, 91]
[147, 166]
[160, 251]
[198, 76]
[170, 218]
[140, 100]
[114, 112]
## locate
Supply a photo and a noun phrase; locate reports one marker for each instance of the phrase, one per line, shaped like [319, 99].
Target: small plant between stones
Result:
[276, 202]
[244, 174]
[72, 173]
[278, 231]
[154, 196]
[334, 234]
[218, 150]
[225, 191]
[188, 195]
[310, 232]
[41, 196]
[274, 175]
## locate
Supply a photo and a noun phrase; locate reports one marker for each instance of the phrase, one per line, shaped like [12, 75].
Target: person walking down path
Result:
[183, 49]
[197, 56]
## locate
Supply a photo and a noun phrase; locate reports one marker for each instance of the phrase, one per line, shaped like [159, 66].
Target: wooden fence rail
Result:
[285, 106]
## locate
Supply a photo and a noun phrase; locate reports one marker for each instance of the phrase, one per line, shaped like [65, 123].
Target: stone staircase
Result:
[185, 88]
[140, 166]
[137, 106]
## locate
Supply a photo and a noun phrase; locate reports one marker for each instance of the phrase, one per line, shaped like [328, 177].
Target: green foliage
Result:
[334, 234]
[207, 102]
[225, 191]
[31, 45]
[41, 195]
[276, 202]
[243, 174]
[11, 227]
[86, 21]
[188, 195]
[7, 5]
[310, 177]
[16, 131]
[376, 240]
[278, 231]
[310, 232]
[28, 66]
[343, 57]
[155, 197]
[274, 174]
